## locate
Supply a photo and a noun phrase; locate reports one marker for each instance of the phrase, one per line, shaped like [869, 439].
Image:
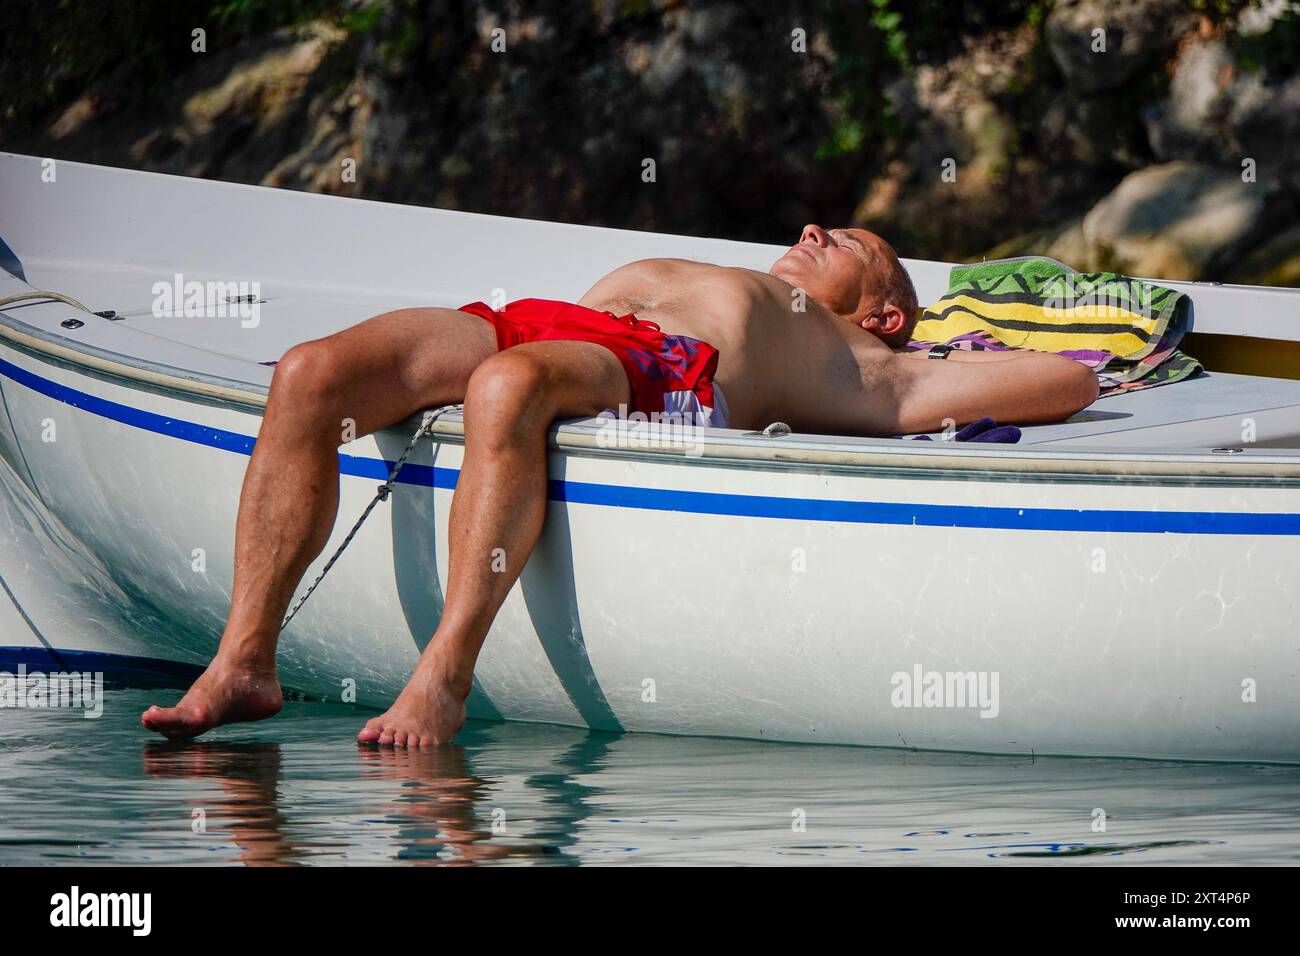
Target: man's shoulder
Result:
[666, 265]
[685, 271]
[652, 283]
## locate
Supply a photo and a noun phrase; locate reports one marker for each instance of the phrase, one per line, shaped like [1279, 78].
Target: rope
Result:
[425, 428]
[29, 296]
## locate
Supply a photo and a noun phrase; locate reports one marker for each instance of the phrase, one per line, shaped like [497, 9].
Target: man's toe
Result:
[371, 731]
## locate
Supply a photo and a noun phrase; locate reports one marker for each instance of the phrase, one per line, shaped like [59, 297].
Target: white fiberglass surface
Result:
[287, 314]
[322, 264]
[1218, 403]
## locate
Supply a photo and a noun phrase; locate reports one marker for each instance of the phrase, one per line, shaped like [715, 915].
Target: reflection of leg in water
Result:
[435, 806]
[443, 812]
[249, 776]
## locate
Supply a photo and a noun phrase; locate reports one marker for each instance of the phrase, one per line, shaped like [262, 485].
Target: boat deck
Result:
[1210, 410]
[323, 264]
[1213, 410]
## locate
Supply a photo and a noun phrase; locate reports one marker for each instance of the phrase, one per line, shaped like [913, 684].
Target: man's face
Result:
[840, 268]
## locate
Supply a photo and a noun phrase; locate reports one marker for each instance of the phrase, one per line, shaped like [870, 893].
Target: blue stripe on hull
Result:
[120, 669]
[703, 502]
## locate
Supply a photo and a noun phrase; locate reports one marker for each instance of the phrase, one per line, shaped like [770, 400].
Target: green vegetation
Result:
[1273, 52]
[748, 129]
[53, 49]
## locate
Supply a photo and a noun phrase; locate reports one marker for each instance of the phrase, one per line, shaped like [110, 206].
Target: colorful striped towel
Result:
[1124, 329]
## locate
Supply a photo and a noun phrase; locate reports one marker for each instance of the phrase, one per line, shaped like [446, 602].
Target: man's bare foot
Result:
[223, 694]
[428, 711]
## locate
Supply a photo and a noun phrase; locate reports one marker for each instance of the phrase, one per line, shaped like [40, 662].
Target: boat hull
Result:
[1091, 614]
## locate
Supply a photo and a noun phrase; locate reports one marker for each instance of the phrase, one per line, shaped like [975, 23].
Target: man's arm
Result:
[1030, 388]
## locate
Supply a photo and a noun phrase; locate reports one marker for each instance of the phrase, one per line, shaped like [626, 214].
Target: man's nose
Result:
[815, 234]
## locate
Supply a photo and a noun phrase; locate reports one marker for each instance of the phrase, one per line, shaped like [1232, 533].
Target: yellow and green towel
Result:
[1125, 329]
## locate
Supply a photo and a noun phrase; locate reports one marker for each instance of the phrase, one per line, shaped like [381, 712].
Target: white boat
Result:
[1124, 583]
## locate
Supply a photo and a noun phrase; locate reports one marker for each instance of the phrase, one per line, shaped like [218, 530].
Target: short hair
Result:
[899, 291]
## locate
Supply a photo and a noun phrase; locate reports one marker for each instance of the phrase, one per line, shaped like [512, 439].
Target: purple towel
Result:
[986, 429]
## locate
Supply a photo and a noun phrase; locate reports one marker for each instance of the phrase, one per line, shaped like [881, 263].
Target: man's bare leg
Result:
[500, 502]
[373, 374]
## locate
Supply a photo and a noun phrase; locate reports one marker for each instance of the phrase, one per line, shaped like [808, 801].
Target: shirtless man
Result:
[808, 343]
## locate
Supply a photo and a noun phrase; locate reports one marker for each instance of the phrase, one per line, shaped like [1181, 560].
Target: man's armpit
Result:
[934, 394]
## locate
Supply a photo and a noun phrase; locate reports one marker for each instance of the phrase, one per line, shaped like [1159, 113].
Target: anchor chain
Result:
[426, 426]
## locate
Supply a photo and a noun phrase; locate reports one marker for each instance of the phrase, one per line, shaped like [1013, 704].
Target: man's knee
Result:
[509, 393]
[308, 373]
[508, 378]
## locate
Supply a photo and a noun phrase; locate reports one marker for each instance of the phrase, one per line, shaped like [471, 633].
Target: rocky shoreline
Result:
[1167, 145]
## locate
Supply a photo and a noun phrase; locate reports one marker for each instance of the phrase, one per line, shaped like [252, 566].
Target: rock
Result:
[152, 147]
[1063, 242]
[1274, 262]
[959, 122]
[73, 118]
[1026, 244]
[266, 89]
[989, 135]
[1218, 111]
[1258, 18]
[1093, 130]
[1135, 33]
[1068, 244]
[668, 63]
[1179, 220]
[1193, 120]
[981, 139]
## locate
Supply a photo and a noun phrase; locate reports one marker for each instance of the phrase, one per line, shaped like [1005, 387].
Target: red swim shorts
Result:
[669, 375]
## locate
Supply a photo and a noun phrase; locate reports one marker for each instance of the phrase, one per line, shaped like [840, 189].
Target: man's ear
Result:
[891, 320]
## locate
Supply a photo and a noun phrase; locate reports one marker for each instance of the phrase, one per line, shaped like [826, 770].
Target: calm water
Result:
[297, 790]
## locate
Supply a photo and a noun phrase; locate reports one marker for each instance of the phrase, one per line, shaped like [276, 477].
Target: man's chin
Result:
[781, 269]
